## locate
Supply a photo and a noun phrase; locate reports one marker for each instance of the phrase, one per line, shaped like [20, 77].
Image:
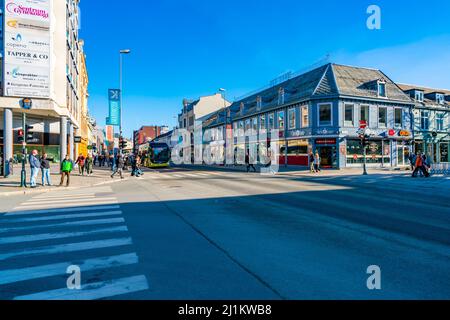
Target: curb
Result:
[57, 188]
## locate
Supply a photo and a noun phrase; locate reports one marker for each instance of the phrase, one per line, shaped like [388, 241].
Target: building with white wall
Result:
[40, 58]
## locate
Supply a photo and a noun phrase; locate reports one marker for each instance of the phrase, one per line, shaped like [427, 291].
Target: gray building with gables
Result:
[321, 110]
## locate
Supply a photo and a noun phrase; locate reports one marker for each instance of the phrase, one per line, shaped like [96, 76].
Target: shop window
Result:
[374, 152]
[292, 119]
[297, 147]
[325, 116]
[305, 117]
[349, 115]
[382, 117]
[398, 118]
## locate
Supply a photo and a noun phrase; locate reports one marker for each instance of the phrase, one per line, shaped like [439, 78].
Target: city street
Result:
[208, 233]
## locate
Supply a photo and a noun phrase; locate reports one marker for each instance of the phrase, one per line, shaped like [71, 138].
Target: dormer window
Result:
[382, 88]
[440, 98]
[241, 108]
[418, 95]
[258, 102]
[281, 96]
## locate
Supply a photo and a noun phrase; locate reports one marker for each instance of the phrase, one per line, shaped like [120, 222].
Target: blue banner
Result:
[114, 107]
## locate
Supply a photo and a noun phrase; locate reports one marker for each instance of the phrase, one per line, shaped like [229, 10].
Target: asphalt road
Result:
[213, 234]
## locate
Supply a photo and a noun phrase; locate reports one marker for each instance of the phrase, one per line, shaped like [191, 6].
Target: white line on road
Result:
[16, 275]
[69, 247]
[67, 200]
[63, 197]
[93, 291]
[59, 235]
[66, 216]
[65, 224]
[65, 205]
[90, 208]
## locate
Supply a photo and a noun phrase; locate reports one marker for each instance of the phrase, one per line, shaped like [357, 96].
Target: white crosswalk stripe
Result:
[67, 227]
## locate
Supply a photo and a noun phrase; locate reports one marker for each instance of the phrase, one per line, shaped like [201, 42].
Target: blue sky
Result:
[193, 47]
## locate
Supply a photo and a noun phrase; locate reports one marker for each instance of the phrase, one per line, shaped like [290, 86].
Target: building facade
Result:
[146, 134]
[431, 121]
[321, 111]
[48, 75]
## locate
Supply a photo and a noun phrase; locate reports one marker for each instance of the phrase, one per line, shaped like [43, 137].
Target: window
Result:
[349, 115]
[297, 147]
[258, 102]
[325, 115]
[382, 117]
[305, 117]
[398, 118]
[440, 117]
[281, 120]
[440, 98]
[271, 121]
[255, 124]
[247, 125]
[424, 120]
[281, 96]
[382, 89]
[419, 96]
[262, 122]
[364, 114]
[292, 119]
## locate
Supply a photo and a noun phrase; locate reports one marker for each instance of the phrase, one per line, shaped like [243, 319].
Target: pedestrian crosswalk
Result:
[83, 229]
[187, 175]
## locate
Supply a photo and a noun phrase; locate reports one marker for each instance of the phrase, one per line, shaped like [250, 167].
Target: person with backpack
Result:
[66, 169]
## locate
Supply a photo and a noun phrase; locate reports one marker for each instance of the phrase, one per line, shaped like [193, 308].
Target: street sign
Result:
[26, 103]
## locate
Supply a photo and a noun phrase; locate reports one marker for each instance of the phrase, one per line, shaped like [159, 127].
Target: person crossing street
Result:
[81, 162]
[119, 166]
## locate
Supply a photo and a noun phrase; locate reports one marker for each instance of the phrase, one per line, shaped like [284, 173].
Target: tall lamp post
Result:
[121, 53]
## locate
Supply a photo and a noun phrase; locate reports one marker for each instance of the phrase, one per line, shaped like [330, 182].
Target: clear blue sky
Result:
[188, 48]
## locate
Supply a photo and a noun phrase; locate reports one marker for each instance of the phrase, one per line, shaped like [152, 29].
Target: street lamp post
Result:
[121, 53]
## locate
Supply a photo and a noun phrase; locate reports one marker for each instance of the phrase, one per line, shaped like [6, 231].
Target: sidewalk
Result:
[296, 170]
[11, 186]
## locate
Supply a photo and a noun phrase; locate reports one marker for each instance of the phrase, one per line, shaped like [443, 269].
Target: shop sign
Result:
[77, 139]
[404, 133]
[391, 133]
[373, 147]
[325, 141]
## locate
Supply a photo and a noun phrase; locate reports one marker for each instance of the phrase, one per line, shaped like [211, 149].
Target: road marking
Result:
[69, 247]
[90, 208]
[59, 235]
[63, 197]
[93, 291]
[66, 216]
[50, 202]
[65, 205]
[65, 224]
[16, 275]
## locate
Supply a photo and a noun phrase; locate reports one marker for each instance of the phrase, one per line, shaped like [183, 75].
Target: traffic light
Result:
[122, 143]
[21, 135]
[29, 135]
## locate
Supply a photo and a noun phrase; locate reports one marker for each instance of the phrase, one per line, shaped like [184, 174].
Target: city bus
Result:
[158, 155]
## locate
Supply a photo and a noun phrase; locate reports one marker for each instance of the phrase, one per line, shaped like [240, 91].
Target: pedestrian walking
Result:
[89, 162]
[35, 166]
[311, 162]
[45, 171]
[317, 162]
[420, 167]
[248, 164]
[412, 161]
[119, 166]
[81, 162]
[66, 169]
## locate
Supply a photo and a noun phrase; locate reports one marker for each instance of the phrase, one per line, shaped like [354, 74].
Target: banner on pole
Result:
[114, 107]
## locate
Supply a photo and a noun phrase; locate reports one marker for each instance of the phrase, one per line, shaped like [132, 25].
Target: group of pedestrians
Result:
[84, 164]
[420, 164]
[123, 162]
[39, 165]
